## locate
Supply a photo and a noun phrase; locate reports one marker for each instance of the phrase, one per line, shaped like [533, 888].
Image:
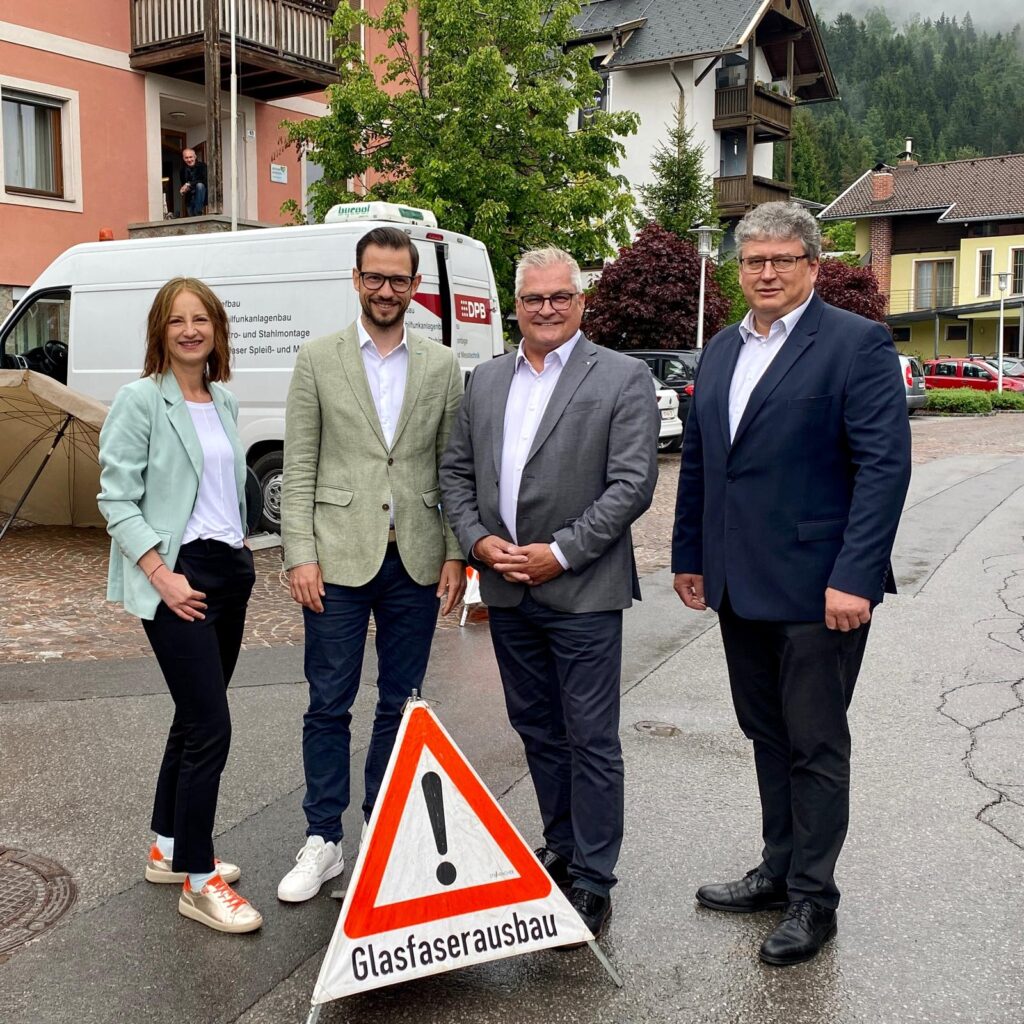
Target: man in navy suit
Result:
[796, 461]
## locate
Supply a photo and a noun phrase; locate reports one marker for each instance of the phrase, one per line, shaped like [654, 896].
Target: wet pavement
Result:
[930, 925]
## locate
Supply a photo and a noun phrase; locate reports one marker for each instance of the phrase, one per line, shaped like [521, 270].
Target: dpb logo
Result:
[470, 309]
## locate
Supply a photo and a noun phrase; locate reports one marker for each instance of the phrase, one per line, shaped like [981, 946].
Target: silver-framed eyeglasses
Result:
[560, 301]
[374, 282]
[780, 264]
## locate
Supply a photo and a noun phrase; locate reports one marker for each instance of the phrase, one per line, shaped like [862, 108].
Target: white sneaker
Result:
[315, 863]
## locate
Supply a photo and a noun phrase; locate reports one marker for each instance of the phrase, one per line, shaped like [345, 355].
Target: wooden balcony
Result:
[283, 46]
[771, 114]
[736, 195]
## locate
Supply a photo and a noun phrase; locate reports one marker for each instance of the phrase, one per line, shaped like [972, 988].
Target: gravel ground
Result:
[52, 579]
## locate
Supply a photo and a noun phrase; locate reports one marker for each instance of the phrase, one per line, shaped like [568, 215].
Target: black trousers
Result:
[197, 660]
[561, 674]
[792, 683]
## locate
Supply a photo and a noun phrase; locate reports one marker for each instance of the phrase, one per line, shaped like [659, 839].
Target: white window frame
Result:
[979, 283]
[1009, 268]
[71, 149]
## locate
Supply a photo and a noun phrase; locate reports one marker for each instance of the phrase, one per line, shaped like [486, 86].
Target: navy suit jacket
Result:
[809, 493]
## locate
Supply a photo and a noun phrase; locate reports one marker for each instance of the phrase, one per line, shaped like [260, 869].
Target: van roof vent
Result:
[380, 211]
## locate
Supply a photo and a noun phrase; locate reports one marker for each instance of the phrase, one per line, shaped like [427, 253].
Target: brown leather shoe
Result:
[753, 892]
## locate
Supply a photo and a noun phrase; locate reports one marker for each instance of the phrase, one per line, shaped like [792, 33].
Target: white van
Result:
[84, 320]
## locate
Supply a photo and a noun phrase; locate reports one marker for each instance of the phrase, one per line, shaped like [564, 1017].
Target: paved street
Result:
[932, 874]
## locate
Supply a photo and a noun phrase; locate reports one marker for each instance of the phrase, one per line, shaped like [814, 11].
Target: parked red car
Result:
[966, 373]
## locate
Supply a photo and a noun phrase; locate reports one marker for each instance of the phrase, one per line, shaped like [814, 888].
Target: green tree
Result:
[682, 194]
[727, 276]
[476, 128]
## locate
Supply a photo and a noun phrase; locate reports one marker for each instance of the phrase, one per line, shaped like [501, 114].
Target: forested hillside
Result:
[956, 91]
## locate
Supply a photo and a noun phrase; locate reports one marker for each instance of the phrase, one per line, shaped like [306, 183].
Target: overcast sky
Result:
[993, 15]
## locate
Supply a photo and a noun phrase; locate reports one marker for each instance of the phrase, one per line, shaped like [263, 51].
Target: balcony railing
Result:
[288, 29]
[735, 196]
[770, 108]
[907, 300]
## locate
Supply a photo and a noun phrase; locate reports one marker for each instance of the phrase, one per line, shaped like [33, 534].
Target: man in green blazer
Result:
[369, 413]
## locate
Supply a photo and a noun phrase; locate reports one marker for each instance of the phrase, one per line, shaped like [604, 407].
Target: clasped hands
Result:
[531, 564]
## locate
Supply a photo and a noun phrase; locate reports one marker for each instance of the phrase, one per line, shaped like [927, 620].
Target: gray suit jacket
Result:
[590, 473]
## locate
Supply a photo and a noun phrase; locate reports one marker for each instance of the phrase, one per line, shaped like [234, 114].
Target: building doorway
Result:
[171, 145]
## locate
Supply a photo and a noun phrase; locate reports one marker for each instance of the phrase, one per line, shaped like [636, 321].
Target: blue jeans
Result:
[196, 199]
[405, 614]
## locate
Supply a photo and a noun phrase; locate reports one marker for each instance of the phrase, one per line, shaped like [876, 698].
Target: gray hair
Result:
[780, 221]
[549, 256]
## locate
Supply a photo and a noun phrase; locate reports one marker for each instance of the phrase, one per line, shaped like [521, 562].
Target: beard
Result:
[383, 316]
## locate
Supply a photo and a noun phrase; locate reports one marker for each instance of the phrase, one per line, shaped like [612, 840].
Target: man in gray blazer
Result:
[369, 413]
[552, 457]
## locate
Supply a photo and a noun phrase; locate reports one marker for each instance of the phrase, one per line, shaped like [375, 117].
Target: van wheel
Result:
[269, 469]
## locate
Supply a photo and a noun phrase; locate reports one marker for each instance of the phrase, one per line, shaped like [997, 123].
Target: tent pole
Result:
[42, 465]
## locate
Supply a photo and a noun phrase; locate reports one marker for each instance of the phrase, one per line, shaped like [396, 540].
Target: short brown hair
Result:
[218, 366]
[388, 238]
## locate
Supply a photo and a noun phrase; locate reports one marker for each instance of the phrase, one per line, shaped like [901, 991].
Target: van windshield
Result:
[38, 336]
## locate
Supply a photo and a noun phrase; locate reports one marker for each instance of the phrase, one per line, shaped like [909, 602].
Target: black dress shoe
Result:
[804, 929]
[751, 893]
[592, 908]
[555, 865]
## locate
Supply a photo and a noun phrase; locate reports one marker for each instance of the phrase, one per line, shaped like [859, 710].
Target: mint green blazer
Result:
[151, 462]
[340, 476]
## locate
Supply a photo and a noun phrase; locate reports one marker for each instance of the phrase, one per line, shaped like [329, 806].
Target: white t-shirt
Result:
[215, 515]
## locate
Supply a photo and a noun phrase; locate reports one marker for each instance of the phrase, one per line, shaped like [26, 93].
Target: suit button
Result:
[386, 506]
[391, 462]
[730, 478]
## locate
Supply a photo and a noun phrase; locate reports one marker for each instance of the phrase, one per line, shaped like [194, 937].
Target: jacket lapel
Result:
[413, 381]
[800, 338]
[352, 363]
[181, 420]
[734, 345]
[583, 357]
[499, 401]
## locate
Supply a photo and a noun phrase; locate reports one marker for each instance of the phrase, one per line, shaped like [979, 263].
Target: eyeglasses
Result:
[780, 264]
[560, 301]
[374, 282]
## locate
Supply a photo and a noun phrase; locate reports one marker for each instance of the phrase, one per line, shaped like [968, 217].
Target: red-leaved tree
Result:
[852, 288]
[647, 298]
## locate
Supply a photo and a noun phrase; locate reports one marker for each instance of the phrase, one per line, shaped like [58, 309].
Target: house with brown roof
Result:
[735, 68]
[940, 237]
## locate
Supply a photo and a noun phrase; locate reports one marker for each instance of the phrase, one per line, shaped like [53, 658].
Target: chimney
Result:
[906, 158]
[881, 185]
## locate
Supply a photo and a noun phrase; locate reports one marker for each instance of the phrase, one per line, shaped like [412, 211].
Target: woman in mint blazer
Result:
[173, 493]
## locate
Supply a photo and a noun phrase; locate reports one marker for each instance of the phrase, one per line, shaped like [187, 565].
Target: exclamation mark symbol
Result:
[446, 872]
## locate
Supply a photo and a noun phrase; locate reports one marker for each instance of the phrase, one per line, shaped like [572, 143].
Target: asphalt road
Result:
[930, 925]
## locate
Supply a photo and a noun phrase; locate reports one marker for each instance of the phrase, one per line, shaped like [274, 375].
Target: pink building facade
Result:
[98, 101]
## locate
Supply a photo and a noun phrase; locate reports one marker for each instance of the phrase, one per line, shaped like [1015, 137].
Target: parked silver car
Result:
[913, 378]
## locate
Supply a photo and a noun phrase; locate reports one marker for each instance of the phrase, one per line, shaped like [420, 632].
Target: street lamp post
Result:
[1004, 283]
[233, 31]
[705, 243]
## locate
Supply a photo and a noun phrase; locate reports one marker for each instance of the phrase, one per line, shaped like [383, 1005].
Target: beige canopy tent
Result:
[49, 451]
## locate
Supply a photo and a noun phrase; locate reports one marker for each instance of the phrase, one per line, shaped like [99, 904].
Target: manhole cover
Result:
[35, 893]
[657, 728]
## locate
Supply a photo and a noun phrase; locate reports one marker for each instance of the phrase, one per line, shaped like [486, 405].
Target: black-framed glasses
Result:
[560, 301]
[374, 282]
[780, 264]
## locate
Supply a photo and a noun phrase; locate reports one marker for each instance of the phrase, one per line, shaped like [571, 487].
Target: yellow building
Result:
[946, 242]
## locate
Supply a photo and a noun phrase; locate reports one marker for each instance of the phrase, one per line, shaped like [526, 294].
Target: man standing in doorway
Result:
[193, 183]
[369, 413]
[795, 464]
[552, 458]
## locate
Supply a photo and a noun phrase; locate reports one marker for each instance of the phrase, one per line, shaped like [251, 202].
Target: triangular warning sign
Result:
[443, 879]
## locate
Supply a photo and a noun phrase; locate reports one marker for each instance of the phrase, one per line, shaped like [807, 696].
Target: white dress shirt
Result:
[386, 376]
[755, 357]
[528, 397]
